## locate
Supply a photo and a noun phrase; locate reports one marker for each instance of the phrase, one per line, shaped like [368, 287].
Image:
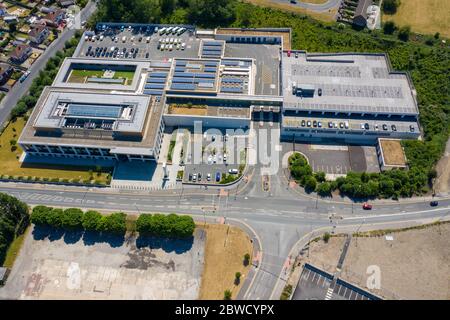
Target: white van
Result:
[233, 171]
[169, 30]
[180, 32]
[124, 39]
[175, 30]
[147, 39]
[162, 31]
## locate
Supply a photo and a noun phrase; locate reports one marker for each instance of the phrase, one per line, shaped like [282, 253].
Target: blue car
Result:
[218, 176]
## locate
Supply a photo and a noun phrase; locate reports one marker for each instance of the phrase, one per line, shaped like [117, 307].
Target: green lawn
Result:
[14, 250]
[81, 75]
[10, 165]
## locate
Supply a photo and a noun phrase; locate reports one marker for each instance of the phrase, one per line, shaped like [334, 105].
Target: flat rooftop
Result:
[358, 83]
[375, 126]
[284, 33]
[111, 113]
[393, 154]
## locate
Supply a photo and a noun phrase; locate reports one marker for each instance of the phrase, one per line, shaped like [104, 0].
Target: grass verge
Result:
[14, 249]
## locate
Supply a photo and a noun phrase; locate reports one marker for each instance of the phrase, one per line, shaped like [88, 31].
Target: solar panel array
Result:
[194, 75]
[361, 91]
[353, 108]
[326, 71]
[98, 111]
[156, 81]
[212, 49]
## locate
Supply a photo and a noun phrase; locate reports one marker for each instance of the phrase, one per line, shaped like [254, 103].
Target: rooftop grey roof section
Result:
[359, 83]
[45, 118]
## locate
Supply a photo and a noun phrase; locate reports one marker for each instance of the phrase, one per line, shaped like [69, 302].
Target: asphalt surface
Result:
[311, 6]
[20, 89]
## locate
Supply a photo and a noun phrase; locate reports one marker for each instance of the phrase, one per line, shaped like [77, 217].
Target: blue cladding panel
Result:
[210, 69]
[183, 74]
[180, 69]
[210, 64]
[205, 75]
[181, 63]
[230, 63]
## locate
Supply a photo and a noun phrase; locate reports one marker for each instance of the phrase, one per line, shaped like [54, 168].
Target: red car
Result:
[367, 206]
[289, 53]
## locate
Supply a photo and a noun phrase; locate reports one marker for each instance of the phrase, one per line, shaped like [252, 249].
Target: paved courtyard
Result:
[85, 266]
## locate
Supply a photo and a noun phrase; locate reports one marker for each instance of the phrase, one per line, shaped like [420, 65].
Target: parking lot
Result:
[223, 150]
[73, 265]
[337, 159]
[315, 284]
[139, 44]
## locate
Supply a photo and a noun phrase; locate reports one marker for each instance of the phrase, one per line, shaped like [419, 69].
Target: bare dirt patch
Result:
[224, 256]
[414, 265]
[442, 183]
[393, 152]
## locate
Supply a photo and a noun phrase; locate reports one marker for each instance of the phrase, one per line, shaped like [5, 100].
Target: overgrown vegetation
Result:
[14, 220]
[287, 292]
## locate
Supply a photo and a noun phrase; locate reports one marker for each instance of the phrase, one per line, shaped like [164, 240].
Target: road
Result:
[282, 223]
[20, 89]
[321, 7]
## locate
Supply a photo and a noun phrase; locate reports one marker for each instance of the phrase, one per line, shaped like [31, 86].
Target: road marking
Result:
[329, 294]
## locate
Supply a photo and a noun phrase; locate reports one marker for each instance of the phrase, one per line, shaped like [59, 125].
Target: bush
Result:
[324, 189]
[326, 237]
[246, 259]
[287, 291]
[310, 184]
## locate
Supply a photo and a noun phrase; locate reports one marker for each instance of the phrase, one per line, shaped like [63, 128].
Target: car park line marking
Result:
[329, 294]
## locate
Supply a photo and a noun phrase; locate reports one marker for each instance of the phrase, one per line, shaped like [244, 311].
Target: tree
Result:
[320, 176]
[54, 217]
[39, 215]
[404, 32]
[227, 295]
[246, 259]
[237, 278]
[92, 221]
[310, 184]
[326, 237]
[324, 189]
[390, 6]
[72, 219]
[389, 27]
[115, 223]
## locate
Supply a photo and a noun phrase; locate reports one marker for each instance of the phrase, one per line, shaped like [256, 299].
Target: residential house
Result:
[20, 53]
[53, 19]
[38, 33]
[5, 72]
[360, 17]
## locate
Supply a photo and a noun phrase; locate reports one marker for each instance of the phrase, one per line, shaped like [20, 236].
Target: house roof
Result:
[18, 50]
[53, 15]
[4, 67]
[361, 9]
[36, 29]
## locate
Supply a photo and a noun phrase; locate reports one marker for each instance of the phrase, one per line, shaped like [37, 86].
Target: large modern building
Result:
[126, 83]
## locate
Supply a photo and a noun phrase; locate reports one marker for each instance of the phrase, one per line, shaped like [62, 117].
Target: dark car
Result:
[366, 126]
[319, 92]
[411, 128]
[303, 123]
[393, 127]
[218, 176]
[330, 124]
[314, 123]
[190, 176]
[434, 203]
[385, 127]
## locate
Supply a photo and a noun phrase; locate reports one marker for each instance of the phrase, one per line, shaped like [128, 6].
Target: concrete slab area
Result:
[82, 266]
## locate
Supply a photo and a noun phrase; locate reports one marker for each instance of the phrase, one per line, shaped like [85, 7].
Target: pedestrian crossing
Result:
[329, 294]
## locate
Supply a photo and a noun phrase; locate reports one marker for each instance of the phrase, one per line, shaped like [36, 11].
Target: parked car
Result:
[367, 206]
[218, 176]
[434, 203]
[233, 171]
[208, 177]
